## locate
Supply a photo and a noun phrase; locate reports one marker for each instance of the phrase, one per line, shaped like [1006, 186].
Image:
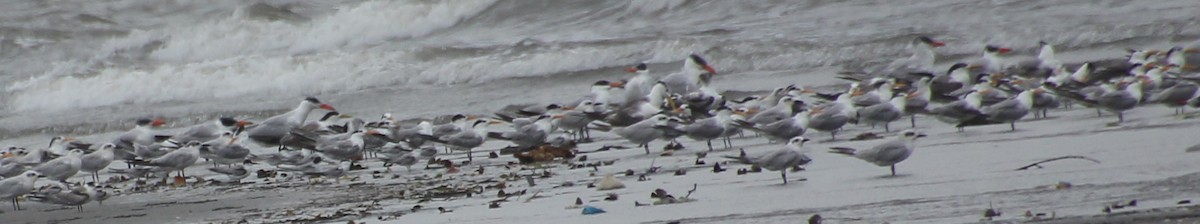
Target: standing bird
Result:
[62, 168]
[643, 132]
[14, 187]
[98, 160]
[177, 160]
[1013, 109]
[467, 139]
[270, 131]
[780, 159]
[885, 113]
[887, 154]
[709, 128]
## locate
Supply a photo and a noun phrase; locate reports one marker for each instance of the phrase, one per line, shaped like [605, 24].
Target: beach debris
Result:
[493, 155]
[866, 136]
[639, 204]
[416, 208]
[591, 210]
[673, 146]
[717, 168]
[545, 153]
[991, 212]
[667, 152]
[1106, 210]
[609, 182]
[1184, 202]
[578, 204]
[755, 169]
[583, 158]
[1038, 164]
[700, 162]
[742, 171]
[680, 172]
[629, 173]
[1193, 148]
[661, 196]
[1132, 203]
[567, 184]
[529, 180]
[610, 197]
[444, 210]
[1038, 216]
[1062, 185]
[642, 178]
[815, 219]
[494, 205]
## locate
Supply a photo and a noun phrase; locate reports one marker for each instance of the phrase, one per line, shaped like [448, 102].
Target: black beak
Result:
[920, 135]
[804, 140]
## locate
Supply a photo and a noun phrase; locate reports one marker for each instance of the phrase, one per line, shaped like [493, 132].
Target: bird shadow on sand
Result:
[889, 176]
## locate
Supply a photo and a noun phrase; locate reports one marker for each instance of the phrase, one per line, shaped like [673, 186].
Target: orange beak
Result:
[327, 107]
[568, 108]
[244, 123]
[6, 155]
[938, 43]
[1005, 50]
[157, 122]
[556, 116]
[617, 84]
[710, 69]
[631, 70]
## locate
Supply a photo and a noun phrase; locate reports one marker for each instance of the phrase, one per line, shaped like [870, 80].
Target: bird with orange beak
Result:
[688, 78]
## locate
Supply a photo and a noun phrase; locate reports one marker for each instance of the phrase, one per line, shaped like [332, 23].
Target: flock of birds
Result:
[641, 110]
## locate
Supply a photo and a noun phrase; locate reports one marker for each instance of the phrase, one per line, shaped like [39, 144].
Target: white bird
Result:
[14, 187]
[207, 131]
[638, 86]
[991, 62]
[142, 134]
[921, 61]
[60, 194]
[887, 154]
[62, 168]
[467, 139]
[178, 160]
[96, 161]
[687, 79]
[885, 113]
[1011, 110]
[269, 132]
[790, 156]
[643, 132]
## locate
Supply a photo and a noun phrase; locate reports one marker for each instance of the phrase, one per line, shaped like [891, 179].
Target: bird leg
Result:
[893, 170]
[1013, 125]
[647, 147]
[783, 174]
[469, 159]
[710, 149]
[885, 127]
[913, 118]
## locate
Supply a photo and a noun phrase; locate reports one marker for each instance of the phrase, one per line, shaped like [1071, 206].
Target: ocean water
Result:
[93, 66]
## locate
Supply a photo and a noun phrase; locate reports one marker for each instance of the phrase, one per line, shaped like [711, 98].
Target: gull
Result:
[14, 187]
[97, 160]
[790, 156]
[885, 112]
[234, 173]
[1011, 110]
[61, 168]
[709, 128]
[350, 149]
[269, 132]
[467, 139]
[960, 111]
[60, 194]
[687, 79]
[991, 62]
[207, 131]
[526, 136]
[1176, 96]
[178, 160]
[781, 130]
[638, 86]
[919, 100]
[643, 132]
[887, 154]
[141, 134]
[225, 150]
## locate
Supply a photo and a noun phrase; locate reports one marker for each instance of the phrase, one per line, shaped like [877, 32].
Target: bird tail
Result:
[842, 150]
[600, 126]
[432, 138]
[497, 135]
